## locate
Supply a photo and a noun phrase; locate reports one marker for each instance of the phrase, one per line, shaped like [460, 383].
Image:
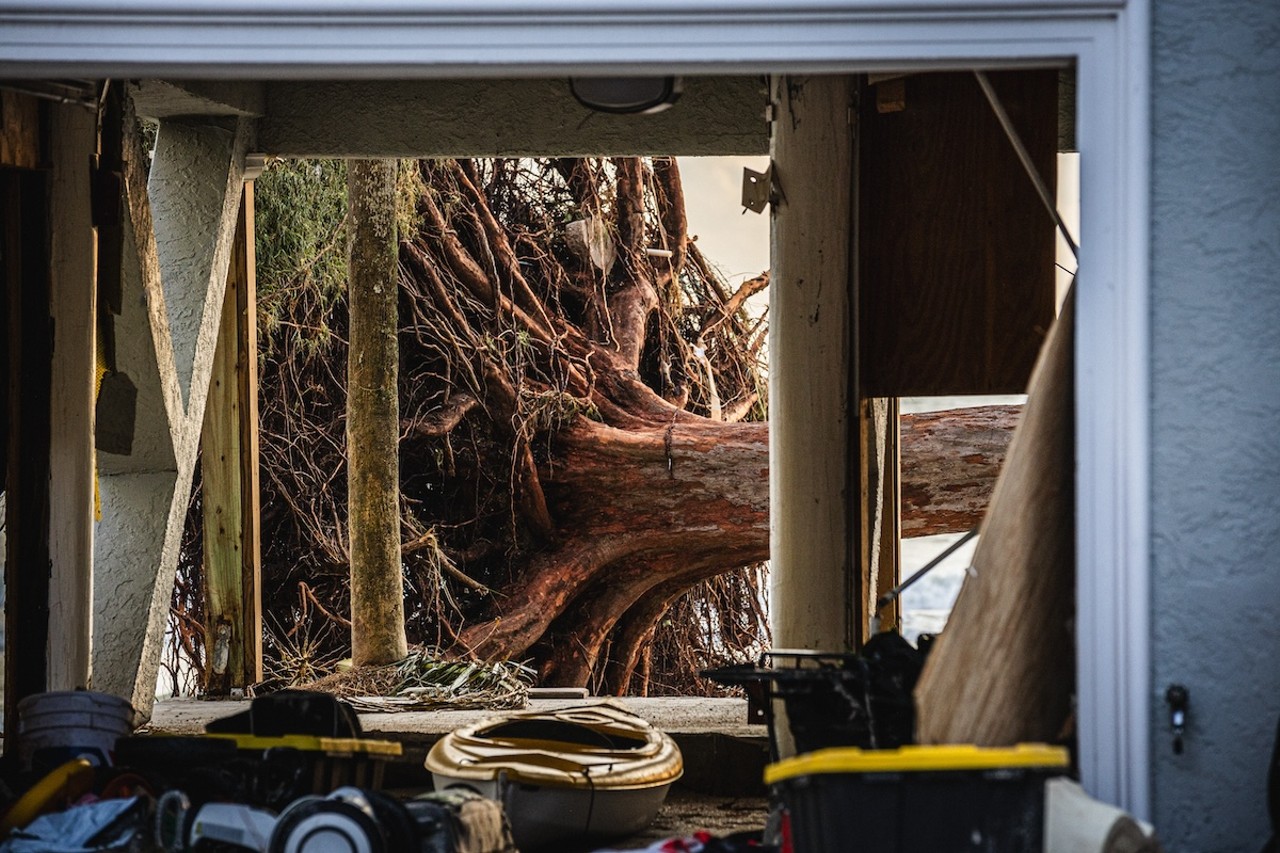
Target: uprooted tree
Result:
[584, 466]
[581, 403]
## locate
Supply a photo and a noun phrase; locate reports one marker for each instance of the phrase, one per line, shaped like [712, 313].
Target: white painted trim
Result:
[404, 38]
[342, 39]
[1113, 415]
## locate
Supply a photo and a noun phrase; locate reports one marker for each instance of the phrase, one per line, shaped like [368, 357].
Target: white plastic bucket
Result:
[72, 723]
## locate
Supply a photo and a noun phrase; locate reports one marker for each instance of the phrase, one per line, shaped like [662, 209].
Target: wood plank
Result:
[19, 130]
[222, 498]
[956, 264]
[1003, 671]
[881, 514]
[73, 304]
[244, 264]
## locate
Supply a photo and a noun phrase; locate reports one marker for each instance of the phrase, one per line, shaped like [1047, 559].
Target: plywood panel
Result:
[956, 258]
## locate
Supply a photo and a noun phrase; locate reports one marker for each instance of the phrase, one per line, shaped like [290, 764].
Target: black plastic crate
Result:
[835, 698]
[917, 799]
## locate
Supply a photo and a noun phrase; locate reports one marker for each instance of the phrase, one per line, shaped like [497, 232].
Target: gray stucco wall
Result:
[1216, 423]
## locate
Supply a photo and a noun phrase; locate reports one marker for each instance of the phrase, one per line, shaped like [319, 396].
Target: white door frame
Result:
[343, 39]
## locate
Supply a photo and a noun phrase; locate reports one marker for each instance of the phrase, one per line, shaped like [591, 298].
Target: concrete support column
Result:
[812, 413]
[73, 298]
[173, 280]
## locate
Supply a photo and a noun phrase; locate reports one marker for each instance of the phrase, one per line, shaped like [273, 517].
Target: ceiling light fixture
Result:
[628, 95]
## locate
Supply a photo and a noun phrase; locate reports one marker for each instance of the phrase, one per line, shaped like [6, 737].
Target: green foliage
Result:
[301, 216]
[409, 188]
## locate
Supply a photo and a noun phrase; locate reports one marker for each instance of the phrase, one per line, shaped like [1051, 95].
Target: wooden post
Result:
[229, 468]
[245, 262]
[814, 425]
[71, 455]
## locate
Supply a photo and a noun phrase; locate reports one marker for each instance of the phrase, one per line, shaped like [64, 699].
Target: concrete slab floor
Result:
[671, 714]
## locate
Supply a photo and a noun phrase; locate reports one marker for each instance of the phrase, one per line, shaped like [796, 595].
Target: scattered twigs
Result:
[308, 597]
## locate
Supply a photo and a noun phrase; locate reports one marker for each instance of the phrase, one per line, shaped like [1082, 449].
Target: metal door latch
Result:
[1178, 698]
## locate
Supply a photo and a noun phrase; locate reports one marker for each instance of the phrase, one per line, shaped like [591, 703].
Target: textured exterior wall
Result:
[1216, 415]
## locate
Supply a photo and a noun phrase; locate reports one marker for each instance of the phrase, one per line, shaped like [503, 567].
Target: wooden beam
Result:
[813, 427]
[505, 118]
[229, 473]
[245, 264]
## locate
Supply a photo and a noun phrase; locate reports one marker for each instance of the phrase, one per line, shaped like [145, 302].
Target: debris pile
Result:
[295, 773]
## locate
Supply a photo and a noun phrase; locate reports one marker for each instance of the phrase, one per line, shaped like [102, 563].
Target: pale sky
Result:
[736, 242]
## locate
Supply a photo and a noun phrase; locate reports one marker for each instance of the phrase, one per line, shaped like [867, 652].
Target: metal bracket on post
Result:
[759, 189]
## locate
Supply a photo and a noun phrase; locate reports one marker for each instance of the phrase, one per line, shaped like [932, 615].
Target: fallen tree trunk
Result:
[950, 461]
[673, 504]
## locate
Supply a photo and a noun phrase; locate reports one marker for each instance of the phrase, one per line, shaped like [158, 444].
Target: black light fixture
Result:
[629, 95]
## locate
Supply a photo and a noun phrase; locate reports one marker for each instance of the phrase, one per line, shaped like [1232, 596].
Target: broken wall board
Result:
[956, 274]
[161, 99]
[1003, 671]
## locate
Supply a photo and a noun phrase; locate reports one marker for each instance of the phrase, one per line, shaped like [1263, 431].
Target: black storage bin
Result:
[917, 799]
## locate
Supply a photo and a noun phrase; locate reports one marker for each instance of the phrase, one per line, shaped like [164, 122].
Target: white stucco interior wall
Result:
[1216, 415]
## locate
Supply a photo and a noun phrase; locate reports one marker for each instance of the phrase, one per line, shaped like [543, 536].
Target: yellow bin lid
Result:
[908, 759]
[330, 746]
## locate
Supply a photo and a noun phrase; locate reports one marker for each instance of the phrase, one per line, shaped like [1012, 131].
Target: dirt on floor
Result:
[686, 812]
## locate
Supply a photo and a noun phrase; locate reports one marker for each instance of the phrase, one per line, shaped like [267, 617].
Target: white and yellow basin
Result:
[575, 773]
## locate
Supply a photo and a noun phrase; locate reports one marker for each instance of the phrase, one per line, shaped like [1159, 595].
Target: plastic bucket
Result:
[68, 724]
